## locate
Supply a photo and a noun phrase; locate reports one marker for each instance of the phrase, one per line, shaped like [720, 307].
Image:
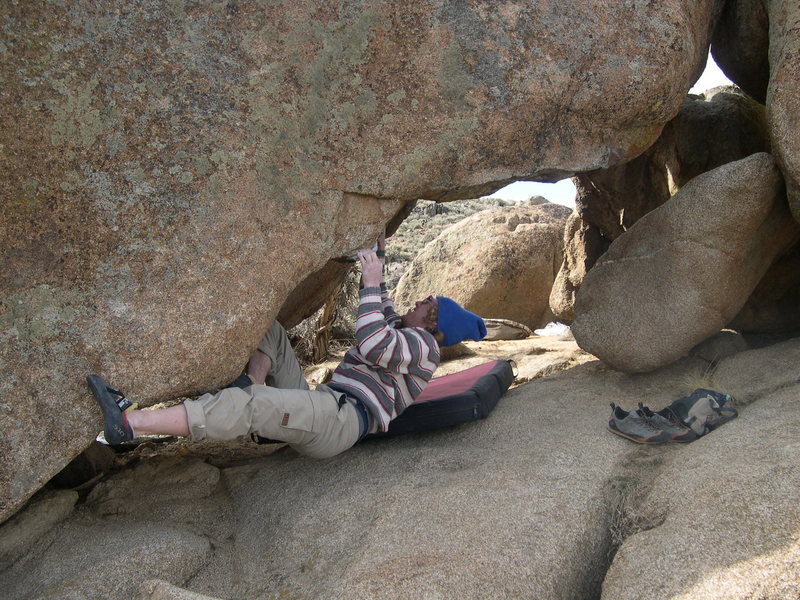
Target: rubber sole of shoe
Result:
[113, 427]
[678, 436]
[678, 440]
[638, 440]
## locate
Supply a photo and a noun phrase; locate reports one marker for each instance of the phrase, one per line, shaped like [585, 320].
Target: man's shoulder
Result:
[426, 340]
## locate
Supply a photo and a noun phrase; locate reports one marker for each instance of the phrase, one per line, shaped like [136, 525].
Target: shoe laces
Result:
[646, 420]
[670, 415]
[666, 414]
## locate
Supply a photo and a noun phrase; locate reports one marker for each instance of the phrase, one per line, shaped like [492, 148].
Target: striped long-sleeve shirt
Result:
[390, 364]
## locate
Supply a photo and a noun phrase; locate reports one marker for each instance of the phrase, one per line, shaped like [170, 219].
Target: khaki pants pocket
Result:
[299, 411]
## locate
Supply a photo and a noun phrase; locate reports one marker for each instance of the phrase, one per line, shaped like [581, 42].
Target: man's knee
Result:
[274, 341]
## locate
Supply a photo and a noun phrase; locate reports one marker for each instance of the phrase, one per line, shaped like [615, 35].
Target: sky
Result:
[563, 192]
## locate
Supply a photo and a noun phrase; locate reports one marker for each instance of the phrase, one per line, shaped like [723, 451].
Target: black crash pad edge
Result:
[473, 404]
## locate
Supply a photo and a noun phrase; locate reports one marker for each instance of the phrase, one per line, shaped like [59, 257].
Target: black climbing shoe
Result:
[116, 428]
[242, 381]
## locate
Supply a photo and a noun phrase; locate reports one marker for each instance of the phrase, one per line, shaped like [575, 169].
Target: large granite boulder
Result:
[710, 130]
[740, 45]
[783, 94]
[607, 203]
[104, 558]
[757, 46]
[684, 270]
[774, 306]
[21, 533]
[314, 291]
[498, 263]
[158, 519]
[158, 589]
[583, 245]
[612, 200]
[172, 171]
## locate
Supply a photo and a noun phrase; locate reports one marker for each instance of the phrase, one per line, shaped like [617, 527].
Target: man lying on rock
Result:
[393, 360]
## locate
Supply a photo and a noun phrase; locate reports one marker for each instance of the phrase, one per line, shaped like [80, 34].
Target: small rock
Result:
[44, 512]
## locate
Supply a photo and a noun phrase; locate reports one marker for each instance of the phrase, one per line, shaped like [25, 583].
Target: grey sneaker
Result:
[668, 423]
[635, 426]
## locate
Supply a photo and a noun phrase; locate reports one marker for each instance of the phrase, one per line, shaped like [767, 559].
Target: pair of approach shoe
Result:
[685, 420]
[645, 426]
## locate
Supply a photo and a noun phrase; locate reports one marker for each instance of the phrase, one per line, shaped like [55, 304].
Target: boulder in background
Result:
[498, 263]
[684, 270]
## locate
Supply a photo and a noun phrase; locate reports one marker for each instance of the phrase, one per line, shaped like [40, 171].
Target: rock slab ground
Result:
[537, 501]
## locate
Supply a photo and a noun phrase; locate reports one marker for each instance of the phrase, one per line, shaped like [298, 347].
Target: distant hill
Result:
[424, 224]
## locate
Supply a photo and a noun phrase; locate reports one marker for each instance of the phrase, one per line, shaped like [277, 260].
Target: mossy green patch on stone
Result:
[185, 177]
[176, 8]
[75, 122]
[396, 97]
[220, 158]
[269, 80]
[202, 165]
[215, 185]
[321, 59]
[367, 102]
[137, 177]
[27, 203]
[413, 162]
[43, 313]
[344, 114]
[71, 181]
[375, 153]
[115, 142]
[448, 142]
[454, 78]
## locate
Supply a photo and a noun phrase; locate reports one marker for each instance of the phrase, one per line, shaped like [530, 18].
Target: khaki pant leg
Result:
[225, 415]
[286, 372]
[313, 423]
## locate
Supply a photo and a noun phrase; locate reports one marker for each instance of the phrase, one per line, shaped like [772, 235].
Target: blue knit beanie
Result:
[458, 324]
